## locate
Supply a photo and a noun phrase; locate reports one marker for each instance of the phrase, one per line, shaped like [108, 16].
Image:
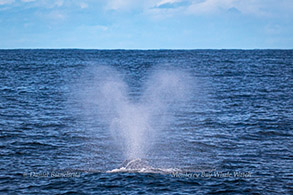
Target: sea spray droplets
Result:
[135, 125]
[131, 127]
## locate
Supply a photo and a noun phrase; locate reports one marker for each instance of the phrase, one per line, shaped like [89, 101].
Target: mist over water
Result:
[135, 122]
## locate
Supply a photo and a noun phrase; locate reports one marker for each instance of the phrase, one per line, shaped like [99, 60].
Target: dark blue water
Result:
[235, 136]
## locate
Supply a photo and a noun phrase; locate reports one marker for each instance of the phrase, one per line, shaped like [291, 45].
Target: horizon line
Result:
[73, 48]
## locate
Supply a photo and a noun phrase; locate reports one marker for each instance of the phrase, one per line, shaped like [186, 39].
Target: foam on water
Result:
[141, 166]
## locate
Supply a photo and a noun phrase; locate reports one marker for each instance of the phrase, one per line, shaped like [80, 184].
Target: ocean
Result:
[146, 121]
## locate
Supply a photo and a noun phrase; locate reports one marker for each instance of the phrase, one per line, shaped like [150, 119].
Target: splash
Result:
[135, 123]
[141, 166]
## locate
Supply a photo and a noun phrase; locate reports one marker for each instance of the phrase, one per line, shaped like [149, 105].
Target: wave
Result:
[141, 166]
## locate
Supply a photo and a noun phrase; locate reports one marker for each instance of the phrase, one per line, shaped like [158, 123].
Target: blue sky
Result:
[146, 24]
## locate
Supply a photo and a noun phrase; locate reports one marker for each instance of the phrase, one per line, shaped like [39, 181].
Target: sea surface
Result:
[234, 136]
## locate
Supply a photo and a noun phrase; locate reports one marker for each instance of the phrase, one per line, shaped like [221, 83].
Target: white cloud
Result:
[261, 8]
[59, 3]
[167, 8]
[49, 4]
[56, 15]
[120, 4]
[254, 7]
[3, 2]
[159, 14]
[83, 5]
[210, 6]
[126, 5]
[27, 1]
[249, 7]
[167, 1]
